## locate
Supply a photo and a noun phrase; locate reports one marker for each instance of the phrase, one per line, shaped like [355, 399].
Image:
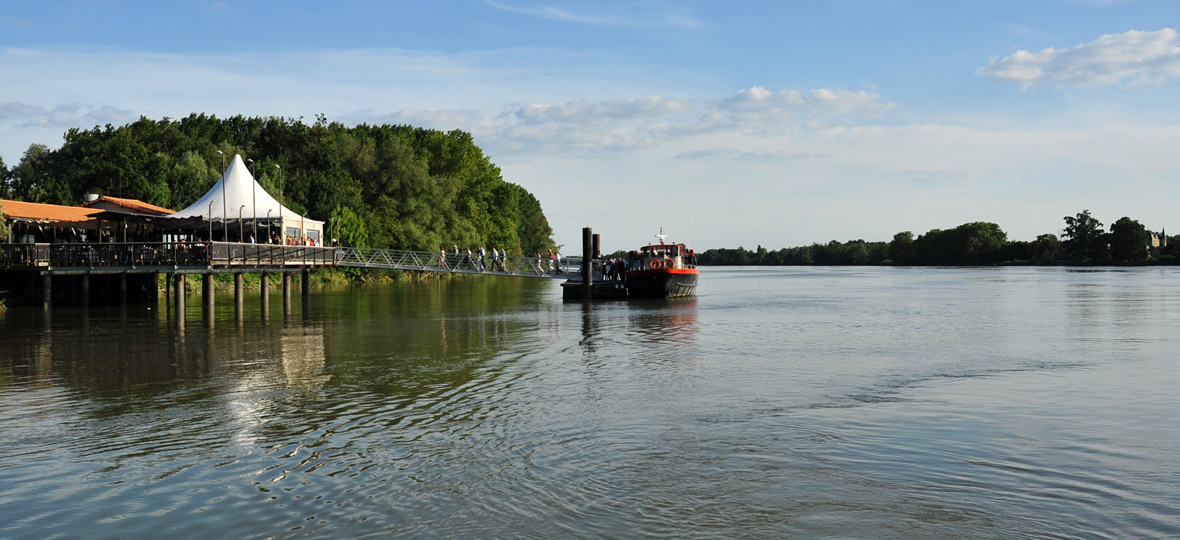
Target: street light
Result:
[224, 213]
[282, 223]
[254, 200]
[268, 211]
[241, 235]
[210, 221]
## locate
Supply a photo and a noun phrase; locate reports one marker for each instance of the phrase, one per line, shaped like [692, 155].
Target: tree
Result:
[348, 228]
[5, 192]
[1128, 241]
[1085, 239]
[1046, 248]
[412, 188]
[3, 224]
[973, 243]
[901, 249]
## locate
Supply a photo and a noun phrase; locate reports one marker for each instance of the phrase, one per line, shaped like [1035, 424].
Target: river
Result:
[780, 402]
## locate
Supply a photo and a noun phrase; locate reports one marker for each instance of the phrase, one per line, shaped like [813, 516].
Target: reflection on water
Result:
[780, 402]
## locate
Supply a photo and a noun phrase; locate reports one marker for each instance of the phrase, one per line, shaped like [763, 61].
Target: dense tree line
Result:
[379, 186]
[979, 243]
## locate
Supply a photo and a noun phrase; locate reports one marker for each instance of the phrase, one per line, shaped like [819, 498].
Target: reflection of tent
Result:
[238, 194]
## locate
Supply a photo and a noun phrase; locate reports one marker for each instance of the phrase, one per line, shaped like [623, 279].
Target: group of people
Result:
[614, 269]
[290, 241]
[554, 262]
[476, 260]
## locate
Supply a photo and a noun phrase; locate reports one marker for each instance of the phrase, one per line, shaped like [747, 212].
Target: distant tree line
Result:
[377, 186]
[1084, 241]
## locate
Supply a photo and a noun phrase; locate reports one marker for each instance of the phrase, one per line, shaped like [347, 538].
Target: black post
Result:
[597, 247]
[46, 291]
[588, 263]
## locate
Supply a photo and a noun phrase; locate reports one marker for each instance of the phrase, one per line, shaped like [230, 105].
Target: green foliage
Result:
[347, 228]
[1085, 239]
[3, 223]
[1046, 248]
[853, 252]
[968, 244]
[410, 188]
[5, 191]
[901, 249]
[1128, 241]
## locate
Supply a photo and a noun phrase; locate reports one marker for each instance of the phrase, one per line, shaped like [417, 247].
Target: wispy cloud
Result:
[64, 115]
[16, 21]
[635, 123]
[741, 155]
[595, 14]
[1132, 59]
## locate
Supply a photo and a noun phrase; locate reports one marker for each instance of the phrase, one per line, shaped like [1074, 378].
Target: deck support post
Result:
[588, 241]
[85, 290]
[265, 285]
[286, 295]
[46, 291]
[305, 285]
[239, 288]
[207, 292]
[154, 294]
[179, 291]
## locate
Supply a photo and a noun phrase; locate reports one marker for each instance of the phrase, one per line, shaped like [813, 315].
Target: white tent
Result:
[238, 194]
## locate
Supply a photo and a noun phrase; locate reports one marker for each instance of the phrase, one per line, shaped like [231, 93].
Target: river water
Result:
[780, 402]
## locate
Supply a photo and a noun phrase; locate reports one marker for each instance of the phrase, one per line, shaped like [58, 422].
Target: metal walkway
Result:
[427, 261]
[229, 257]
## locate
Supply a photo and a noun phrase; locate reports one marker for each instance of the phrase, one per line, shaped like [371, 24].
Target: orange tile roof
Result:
[46, 212]
[133, 204]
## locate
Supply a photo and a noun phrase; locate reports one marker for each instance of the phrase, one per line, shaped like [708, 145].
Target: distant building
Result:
[1158, 242]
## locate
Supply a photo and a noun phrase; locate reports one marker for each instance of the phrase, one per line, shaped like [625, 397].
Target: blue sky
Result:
[726, 123]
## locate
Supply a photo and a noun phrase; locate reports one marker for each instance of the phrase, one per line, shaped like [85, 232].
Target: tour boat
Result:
[661, 270]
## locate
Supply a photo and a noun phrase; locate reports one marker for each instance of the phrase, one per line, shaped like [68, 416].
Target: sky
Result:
[725, 123]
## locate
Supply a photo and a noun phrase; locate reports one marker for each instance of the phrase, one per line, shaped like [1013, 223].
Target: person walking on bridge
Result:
[442, 257]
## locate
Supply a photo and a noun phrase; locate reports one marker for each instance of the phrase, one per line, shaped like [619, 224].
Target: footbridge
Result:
[461, 263]
[31, 269]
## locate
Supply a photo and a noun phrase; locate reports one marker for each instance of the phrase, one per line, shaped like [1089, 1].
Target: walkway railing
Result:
[428, 261]
[163, 254]
[231, 255]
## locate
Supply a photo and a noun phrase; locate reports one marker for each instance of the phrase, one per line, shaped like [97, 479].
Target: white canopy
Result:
[238, 193]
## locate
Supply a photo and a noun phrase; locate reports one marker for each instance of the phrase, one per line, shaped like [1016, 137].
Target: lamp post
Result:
[254, 200]
[210, 221]
[268, 211]
[282, 224]
[224, 213]
[241, 235]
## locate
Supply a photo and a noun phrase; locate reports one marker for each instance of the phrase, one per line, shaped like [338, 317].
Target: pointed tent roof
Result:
[237, 187]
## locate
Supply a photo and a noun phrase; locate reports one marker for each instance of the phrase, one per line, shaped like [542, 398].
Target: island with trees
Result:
[387, 186]
[1084, 242]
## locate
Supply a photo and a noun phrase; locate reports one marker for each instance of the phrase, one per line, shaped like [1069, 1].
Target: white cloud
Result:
[633, 123]
[627, 16]
[64, 116]
[1132, 58]
[16, 21]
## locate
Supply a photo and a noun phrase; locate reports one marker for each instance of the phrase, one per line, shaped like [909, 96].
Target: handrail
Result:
[239, 255]
[434, 261]
[122, 254]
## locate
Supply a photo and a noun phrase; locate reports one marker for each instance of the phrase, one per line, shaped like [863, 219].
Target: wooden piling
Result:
[588, 240]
